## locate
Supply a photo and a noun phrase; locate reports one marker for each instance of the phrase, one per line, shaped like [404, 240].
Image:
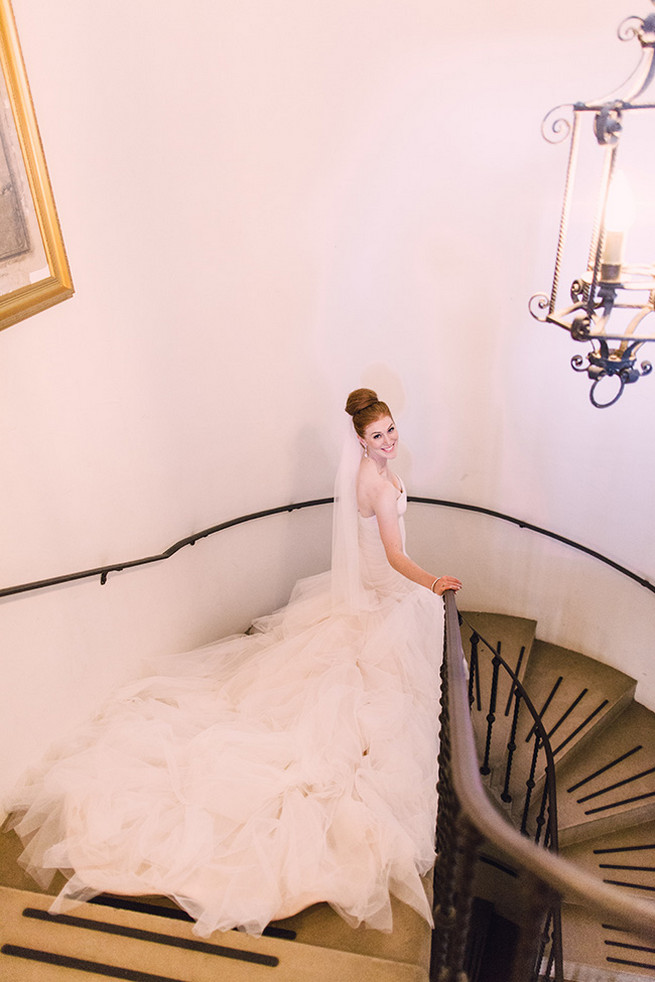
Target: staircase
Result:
[151, 943]
[604, 749]
[149, 939]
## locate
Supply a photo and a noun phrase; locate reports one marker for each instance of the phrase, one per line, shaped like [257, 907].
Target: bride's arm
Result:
[384, 503]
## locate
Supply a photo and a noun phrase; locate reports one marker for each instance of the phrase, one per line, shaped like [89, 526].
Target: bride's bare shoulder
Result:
[368, 474]
[373, 486]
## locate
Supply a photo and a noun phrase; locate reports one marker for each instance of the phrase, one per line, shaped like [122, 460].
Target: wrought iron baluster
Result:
[511, 747]
[550, 950]
[557, 948]
[544, 954]
[537, 903]
[541, 817]
[491, 715]
[517, 671]
[474, 673]
[447, 963]
[530, 783]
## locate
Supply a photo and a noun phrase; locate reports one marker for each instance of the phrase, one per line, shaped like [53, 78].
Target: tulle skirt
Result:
[259, 774]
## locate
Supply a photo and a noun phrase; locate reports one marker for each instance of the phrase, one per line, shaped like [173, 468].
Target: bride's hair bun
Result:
[360, 399]
[365, 408]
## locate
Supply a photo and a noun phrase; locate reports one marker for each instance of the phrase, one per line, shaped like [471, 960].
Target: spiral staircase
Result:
[603, 743]
[604, 748]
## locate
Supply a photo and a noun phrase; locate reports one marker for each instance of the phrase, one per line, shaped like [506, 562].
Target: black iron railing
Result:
[543, 829]
[470, 821]
[190, 540]
[103, 571]
[541, 770]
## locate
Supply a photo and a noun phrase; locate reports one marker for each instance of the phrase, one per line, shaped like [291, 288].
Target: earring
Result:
[366, 450]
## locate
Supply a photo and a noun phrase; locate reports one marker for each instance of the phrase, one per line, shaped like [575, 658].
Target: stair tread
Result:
[154, 944]
[593, 721]
[514, 631]
[579, 673]
[594, 952]
[623, 856]
[615, 781]
[317, 925]
[575, 697]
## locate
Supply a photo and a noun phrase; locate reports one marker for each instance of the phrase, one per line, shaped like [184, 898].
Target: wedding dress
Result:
[265, 772]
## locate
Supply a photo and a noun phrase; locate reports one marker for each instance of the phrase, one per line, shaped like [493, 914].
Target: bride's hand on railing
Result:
[444, 583]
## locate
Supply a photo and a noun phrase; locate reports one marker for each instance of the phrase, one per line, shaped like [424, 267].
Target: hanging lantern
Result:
[612, 296]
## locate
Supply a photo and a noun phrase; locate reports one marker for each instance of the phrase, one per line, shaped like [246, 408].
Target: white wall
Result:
[265, 204]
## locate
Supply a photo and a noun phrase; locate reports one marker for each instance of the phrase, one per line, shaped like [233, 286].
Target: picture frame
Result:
[34, 271]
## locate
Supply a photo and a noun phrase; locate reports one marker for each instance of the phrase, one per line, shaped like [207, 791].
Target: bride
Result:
[266, 772]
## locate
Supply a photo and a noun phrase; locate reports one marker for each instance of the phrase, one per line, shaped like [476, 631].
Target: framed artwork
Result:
[34, 271]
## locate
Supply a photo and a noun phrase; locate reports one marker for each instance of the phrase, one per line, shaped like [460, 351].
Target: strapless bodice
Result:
[376, 572]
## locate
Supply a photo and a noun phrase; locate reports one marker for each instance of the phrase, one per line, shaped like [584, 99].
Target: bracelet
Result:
[434, 583]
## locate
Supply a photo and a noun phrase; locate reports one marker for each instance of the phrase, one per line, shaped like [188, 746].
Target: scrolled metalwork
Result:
[630, 28]
[577, 290]
[619, 392]
[605, 363]
[555, 127]
[539, 306]
[580, 327]
[605, 284]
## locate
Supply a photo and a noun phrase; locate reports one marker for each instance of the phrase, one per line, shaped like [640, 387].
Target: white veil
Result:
[348, 593]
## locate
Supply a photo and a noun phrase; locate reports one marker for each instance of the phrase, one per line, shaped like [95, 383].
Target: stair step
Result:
[513, 633]
[93, 941]
[317, 926]
[589, 692]
[595, 729]
[624, 857]
[613, 784]
[576, 698]
[595, 952]
[409, 942]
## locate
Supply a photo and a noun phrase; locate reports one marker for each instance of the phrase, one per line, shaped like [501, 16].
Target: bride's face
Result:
[381, 439]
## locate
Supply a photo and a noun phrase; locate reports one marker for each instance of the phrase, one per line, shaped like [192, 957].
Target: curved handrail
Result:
[190, 540]
[587, 550]
[104, 571]
[573, 883]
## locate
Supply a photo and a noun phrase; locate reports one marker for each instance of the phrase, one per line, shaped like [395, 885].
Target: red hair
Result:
[365, 408]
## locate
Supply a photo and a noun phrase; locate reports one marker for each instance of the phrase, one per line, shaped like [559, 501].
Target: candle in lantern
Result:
[619, 215]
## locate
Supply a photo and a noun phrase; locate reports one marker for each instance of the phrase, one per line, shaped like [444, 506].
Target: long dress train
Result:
[264, 772]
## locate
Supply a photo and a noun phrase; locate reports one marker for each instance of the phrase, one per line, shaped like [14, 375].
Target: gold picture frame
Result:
[34, 272]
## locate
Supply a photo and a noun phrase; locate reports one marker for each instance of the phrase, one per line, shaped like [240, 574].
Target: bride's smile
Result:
[381, 439]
